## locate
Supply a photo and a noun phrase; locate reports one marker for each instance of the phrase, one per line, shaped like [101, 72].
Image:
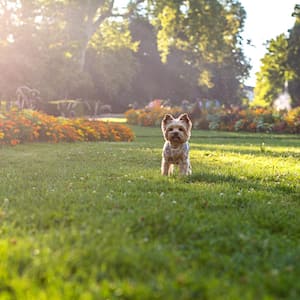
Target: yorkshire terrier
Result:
[176, 132]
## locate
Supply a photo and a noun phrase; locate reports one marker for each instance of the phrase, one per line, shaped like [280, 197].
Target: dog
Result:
[176, 132]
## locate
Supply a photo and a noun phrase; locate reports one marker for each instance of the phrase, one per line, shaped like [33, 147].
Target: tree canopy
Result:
[280, 65]
[293, 58]
[95, 51]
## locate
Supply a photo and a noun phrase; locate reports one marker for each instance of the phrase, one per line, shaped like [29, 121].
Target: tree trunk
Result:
[91, 27]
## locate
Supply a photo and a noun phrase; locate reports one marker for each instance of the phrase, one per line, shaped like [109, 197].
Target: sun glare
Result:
[10, 38]
[9, 6]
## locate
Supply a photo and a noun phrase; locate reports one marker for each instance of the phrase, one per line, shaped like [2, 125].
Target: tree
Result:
[80, 20]
[85, 50]
[279, 65]
[209, 34]
[293, 58]
[154, 79]
[111, 63]
[91, 33]
[45, 45]
[273, 72]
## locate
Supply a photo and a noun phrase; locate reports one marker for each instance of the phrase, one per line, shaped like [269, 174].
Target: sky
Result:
[266, 19]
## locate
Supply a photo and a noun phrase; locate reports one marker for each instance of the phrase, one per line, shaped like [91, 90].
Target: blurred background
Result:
[72, 58]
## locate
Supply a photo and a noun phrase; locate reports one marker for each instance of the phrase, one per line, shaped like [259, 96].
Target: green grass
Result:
[97, 220]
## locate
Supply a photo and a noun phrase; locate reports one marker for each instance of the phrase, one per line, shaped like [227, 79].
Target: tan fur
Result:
[177, 132]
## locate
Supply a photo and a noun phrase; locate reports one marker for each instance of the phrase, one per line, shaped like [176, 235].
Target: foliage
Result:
[273, 72]
[96, 52]
[32, 126]
[255, 119]
[154, 79]
[56, 46]
[279, 65]
[97, 220]
[294, 57]
[209, 35]
[292, 120]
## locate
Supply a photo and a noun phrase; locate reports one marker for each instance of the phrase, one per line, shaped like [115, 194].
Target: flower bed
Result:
[31, 126]
[226, 119]
[255, 120]
[149, 116]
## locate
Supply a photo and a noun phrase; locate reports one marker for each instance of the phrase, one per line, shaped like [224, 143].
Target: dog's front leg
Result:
[184, 168]
[166, 168]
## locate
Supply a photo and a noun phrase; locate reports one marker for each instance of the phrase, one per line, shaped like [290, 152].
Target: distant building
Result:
[283, 101]
[249, 92]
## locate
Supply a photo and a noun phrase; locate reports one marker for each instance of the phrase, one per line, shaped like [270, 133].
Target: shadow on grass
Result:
[237, 182]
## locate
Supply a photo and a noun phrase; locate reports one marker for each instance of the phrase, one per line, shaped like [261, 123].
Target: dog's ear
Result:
[167, 118]
[185, 118]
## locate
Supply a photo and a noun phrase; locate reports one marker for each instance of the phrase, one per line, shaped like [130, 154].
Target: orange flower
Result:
[14, 142]
[28, 126]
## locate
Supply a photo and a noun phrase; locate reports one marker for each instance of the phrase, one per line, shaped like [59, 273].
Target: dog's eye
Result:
[180, 129]
[170, 129]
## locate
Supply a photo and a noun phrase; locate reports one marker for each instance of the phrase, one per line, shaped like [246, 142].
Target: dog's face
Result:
[176, 130]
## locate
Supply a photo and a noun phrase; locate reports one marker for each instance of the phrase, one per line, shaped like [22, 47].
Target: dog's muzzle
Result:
[175, 136]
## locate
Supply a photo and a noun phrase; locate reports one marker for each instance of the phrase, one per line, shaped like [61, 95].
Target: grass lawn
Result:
[98, 221]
